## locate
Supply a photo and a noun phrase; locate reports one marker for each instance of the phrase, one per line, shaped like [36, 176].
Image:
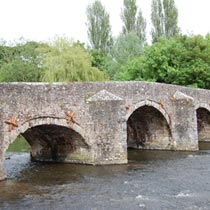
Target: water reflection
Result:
[135, 155]
[204, 145]
[154, 180]
[40, 173]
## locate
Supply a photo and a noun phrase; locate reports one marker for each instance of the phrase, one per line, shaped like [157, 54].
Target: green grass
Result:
[19, 145]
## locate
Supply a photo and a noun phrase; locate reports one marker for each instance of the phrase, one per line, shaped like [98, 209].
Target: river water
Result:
[151, 181]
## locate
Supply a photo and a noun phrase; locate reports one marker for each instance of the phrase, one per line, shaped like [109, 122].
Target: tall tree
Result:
[164, 19]
[128, 16]
[157, 20]
[141, 27]
[171, 18]
[99, 28]
[133, 23]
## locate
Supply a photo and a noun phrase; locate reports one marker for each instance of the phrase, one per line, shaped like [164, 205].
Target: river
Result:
[153, 180]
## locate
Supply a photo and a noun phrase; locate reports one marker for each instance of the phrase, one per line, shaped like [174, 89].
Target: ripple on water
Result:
[152, 181]
[184, 194]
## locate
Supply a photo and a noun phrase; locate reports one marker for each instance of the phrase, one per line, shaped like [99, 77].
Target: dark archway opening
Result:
[148, 132]
[55, 143]
[46, 143]
[203, 123]
[52, 143]
[147, 128]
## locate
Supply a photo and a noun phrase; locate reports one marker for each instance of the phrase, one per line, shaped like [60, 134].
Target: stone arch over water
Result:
[52, 139]
[203, 122]
[148, 127]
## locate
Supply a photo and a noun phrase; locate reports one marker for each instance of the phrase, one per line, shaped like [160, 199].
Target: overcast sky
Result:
[41, 20]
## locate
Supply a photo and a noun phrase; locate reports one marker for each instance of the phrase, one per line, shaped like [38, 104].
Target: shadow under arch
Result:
[156, 105]
[203, 122]
[148, 127]
[52, 139]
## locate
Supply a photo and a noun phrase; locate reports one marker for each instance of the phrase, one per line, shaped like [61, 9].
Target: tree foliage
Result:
[68, 61]
[132, 70]
[141, 27]
[128, 16]
[170, 18]
[127, 47]
[20, 63]
[164, 17]
[99, 28]
[133, 23]
[182, 60]
[157, 20]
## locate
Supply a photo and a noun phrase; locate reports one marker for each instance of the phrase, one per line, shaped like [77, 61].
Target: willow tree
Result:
[99, 28]
[66, 61]
[164, 17]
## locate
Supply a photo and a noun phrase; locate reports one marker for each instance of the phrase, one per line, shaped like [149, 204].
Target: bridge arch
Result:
[148, 126]
[202, 105]
[154, 104]
[52, 139]
[203, 122]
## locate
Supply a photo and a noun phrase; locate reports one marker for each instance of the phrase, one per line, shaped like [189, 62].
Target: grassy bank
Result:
[19, 145]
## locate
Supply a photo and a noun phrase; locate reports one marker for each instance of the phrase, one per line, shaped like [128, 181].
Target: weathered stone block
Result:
[184, 122]
[108, 116]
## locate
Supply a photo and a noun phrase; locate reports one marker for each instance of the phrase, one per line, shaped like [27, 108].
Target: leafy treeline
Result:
[59, 61]
[171, 58]
[20, 62]
[183, 60]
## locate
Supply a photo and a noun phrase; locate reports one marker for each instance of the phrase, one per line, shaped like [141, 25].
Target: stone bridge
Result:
[95, 123]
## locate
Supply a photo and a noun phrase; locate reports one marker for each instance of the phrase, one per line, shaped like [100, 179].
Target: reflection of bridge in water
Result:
[94, 123]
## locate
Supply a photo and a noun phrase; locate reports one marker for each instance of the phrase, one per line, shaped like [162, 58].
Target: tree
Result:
[128, 16]
[171, 18]
[133, 23]
[66, 61]
[99, 28]
[182, 60]
[5, 54]
[126, 47]
[157, 20]
[141, 27]
[164, 19]
[19, 71]
[20, 63]
[131, 71]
